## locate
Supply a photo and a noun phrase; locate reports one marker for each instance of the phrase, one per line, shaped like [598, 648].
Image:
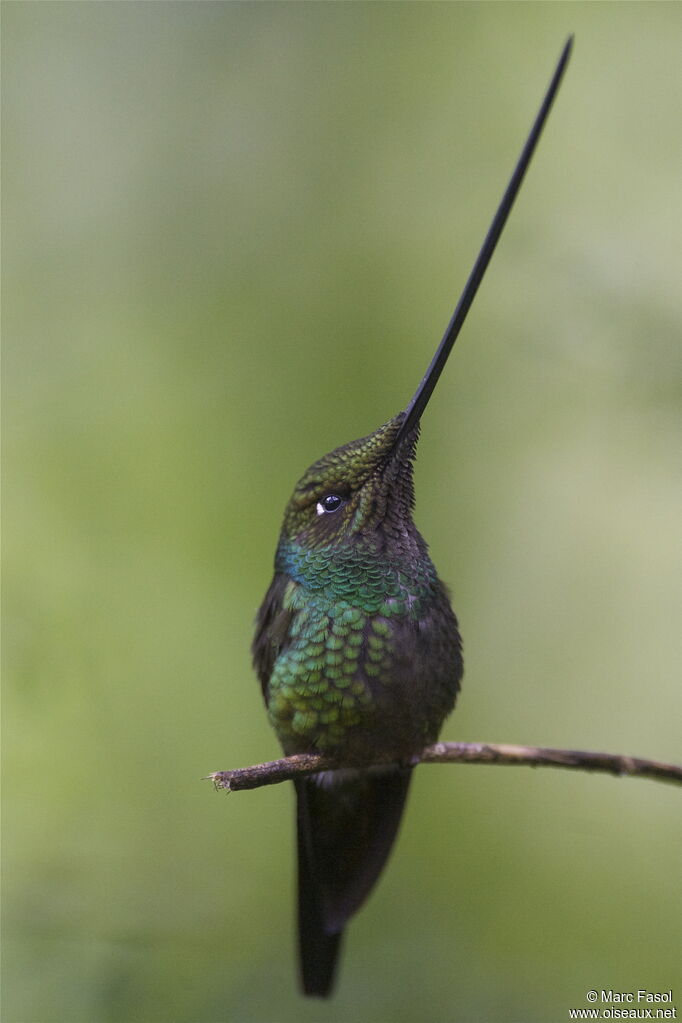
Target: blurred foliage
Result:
[233, 234]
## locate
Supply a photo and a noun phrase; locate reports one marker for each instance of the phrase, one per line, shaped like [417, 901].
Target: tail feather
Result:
[318, 949]
[346, 829]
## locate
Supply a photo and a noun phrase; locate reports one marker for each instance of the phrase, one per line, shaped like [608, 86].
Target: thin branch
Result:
[300, 764]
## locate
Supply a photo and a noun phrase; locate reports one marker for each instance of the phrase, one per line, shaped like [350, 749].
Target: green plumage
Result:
[359, 656]
[356, 646]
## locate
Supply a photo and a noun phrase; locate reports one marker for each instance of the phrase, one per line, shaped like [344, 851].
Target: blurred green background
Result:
[233, 235]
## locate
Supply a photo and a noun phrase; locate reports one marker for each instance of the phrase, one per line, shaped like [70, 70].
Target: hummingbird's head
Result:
[357, 488]
[365, 488]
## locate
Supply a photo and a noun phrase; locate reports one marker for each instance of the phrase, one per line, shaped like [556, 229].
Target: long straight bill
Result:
[421, 397]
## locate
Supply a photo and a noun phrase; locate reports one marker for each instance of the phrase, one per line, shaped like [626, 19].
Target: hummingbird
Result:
[357, 648]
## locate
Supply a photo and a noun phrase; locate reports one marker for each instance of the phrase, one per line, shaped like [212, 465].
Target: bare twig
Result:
[455, 753]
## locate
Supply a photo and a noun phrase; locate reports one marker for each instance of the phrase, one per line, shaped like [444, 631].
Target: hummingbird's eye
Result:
[329, 504]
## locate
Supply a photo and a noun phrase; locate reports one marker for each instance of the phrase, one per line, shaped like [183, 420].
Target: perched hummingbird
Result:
[357, 648]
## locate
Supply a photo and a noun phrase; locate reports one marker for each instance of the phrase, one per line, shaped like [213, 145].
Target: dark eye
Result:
[329, 504]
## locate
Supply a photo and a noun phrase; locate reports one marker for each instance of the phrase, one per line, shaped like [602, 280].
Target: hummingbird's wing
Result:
[273, 622]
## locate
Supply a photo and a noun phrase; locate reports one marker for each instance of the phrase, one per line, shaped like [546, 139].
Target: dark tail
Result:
[346, 829]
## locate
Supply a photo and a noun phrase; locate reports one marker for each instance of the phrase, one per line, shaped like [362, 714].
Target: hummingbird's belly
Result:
[361, 684]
